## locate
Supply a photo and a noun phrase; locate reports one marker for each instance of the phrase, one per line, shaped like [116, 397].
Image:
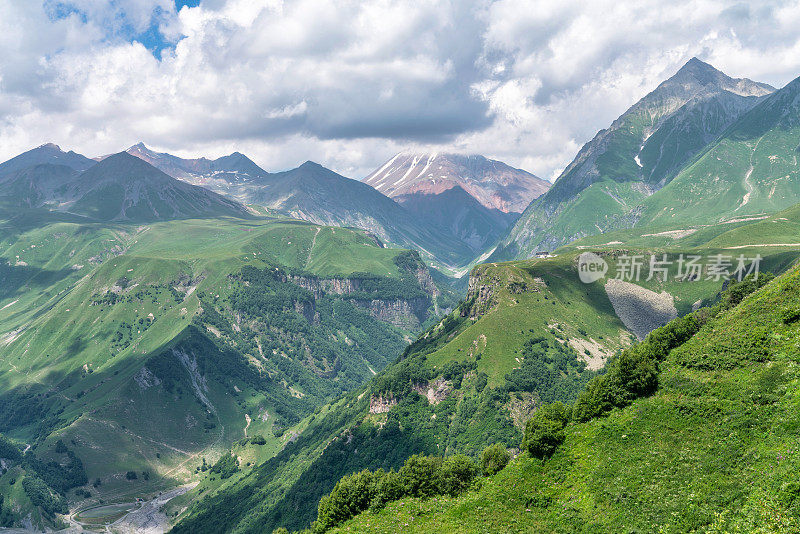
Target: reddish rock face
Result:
[492, 183]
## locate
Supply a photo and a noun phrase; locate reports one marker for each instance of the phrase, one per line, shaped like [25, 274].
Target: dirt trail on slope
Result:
[764, 245]
[747, 185]
[311, 248]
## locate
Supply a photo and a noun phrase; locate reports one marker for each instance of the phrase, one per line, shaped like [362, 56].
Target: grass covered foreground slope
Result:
[521, 339]
[146, 349]
[713, 449]
[529, 333]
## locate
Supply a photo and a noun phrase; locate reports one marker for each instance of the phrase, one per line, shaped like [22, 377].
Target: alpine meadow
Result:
[463, 267]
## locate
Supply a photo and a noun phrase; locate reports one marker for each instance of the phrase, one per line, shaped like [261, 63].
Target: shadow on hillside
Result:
[55, 391]
[16, 279]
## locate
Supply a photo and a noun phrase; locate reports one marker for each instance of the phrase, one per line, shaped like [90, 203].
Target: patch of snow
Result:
[428, 164]
[408, 172]
[387, 164]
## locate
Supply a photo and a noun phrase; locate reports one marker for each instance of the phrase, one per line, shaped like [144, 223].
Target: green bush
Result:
[457, 473]
[634, 373]
[226, 466]
[9, 450]
[350, 496]
[737, 291]
[43, 496]
[6, 515]
[791, 315]
[494, 458]
[61, 476]
[388, 488]
[421, 475]
[544, 432]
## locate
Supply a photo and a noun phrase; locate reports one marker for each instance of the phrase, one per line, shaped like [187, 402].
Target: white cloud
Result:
[348, 83]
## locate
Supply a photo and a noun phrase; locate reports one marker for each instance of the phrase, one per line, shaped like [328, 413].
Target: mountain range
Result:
[450, 228]
[119, 188]
[640, 153]
[48, 153]
[249, 350]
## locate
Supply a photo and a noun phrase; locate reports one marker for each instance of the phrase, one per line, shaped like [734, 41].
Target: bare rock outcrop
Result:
[640, 309]
[435, 391]
[381, 404]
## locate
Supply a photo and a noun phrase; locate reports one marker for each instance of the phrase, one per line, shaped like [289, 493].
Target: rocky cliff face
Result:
[381, 404]
[320, 286]
[407, 314]
[480, 294]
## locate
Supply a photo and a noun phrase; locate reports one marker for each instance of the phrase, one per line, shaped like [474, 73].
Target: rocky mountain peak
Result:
[493, 183]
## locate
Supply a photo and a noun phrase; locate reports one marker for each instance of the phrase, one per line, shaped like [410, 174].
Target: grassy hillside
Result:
[529, 333]
[151, 348]
[713, 450]
[468, 381]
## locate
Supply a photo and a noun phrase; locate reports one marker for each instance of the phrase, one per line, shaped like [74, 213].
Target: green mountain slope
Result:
[528, 334]
[713, 450]
[752, 170]
[459, 387]
[312, 192]
[638, 154]
[525, 336]
[150, 348]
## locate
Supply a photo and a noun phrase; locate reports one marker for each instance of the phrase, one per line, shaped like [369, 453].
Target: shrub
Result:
[43, 496]
[791, 315]
[595, 400]
[636, 373]
[258, 440]
[388, 488]
[494, 458]
[457, 473]
[226, 466]
[131, 475]
[737, 291]
[544, 432]
[9, 450]
[350, 496]
[421, 475]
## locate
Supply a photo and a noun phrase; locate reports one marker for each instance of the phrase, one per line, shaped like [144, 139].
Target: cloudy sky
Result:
[349, 83]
